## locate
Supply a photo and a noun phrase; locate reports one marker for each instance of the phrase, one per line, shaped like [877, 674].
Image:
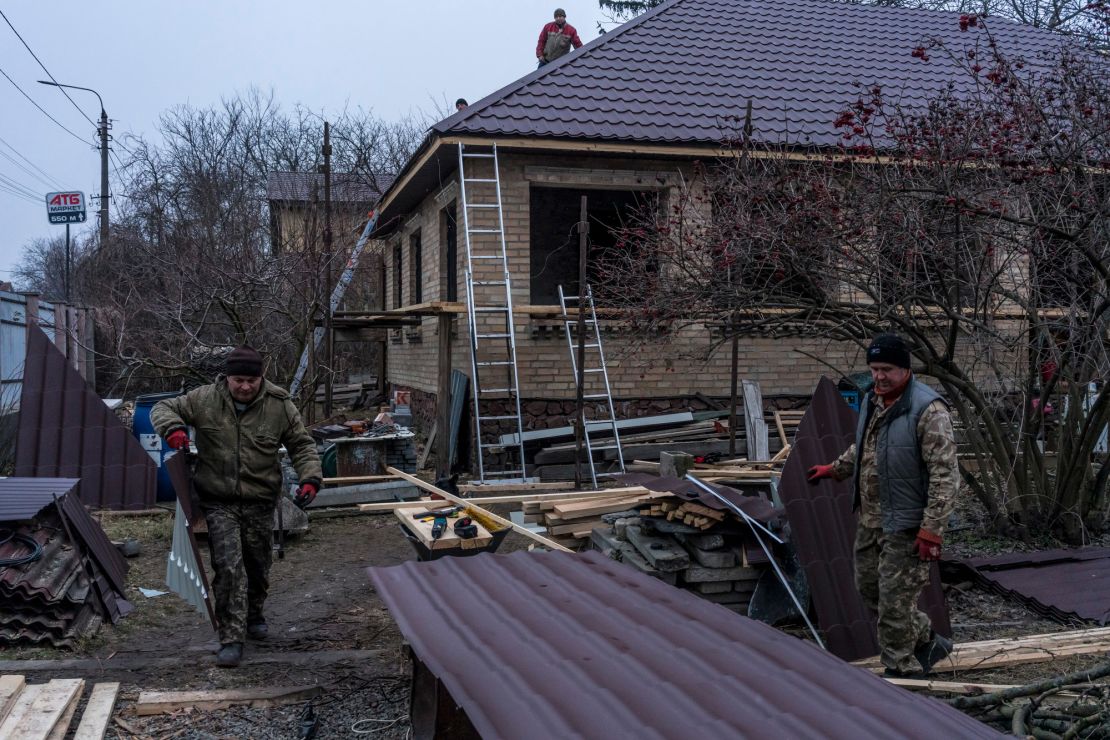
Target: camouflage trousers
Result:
[890, 577]
[240, 537]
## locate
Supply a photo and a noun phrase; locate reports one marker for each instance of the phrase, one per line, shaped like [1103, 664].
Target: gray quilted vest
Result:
[903, 479]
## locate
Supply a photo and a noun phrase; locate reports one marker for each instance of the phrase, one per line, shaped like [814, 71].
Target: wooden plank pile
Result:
[570, 521]
[46, 711]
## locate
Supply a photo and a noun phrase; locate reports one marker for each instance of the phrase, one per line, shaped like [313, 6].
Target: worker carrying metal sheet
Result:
[906, 478]
[241, 421]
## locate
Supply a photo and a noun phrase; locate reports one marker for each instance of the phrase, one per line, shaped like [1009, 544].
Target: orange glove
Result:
[817, 472]
[177, 439]
[927, 545]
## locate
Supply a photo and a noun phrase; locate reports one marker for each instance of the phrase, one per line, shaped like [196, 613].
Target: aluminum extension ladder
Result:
[595, 376]
[489, 307]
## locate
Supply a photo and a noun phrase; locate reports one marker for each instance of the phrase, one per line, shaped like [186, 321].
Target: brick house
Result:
[623, 119]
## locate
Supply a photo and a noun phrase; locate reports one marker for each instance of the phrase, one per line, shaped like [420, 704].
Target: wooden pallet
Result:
[46, 711]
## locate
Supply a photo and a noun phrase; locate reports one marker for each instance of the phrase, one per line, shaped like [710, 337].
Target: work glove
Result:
[305, 495]
[177, 439]
[927, 545]
[817, 472]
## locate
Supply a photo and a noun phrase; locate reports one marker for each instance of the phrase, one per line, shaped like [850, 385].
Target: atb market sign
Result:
[66, 208]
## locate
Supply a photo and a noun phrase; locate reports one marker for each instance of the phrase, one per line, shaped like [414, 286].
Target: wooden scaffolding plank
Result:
[61, 729]
[98, 712]
[10, 688]
[165, 702]
[44, 711]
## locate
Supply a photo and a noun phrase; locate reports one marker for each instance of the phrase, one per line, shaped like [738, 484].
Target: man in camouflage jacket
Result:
[241, 421]
[906, 479]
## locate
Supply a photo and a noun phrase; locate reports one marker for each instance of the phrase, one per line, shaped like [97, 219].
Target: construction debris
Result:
[60, 575]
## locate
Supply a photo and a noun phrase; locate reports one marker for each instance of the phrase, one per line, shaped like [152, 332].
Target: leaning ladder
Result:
[591, 374]
[489, 307]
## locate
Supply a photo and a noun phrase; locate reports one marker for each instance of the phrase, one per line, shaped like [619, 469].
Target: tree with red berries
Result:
[976, 224]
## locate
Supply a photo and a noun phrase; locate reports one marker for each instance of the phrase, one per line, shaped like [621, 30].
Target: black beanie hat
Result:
[891, 349]
[243, 361]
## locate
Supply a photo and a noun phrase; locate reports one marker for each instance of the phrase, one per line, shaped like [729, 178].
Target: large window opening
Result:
[554, 214]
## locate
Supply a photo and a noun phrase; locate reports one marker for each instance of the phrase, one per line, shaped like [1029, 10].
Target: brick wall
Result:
[661, 368]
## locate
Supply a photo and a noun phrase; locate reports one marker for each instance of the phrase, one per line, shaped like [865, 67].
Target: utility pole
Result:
[103, 131]
[329, 339]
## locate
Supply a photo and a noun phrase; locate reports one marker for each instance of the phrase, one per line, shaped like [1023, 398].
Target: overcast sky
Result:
[144, 56]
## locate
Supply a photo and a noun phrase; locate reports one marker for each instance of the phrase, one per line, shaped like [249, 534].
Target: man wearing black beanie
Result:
[903, 464]
[241, 421]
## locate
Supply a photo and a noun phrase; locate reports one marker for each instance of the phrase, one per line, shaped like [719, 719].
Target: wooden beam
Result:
[513, 487]
[443, 398]
[98, 712]
[520, 498]
[358, 479]
[61, 727]
[167, 702]
[1042, 648]
[782, 429]
[463, 502]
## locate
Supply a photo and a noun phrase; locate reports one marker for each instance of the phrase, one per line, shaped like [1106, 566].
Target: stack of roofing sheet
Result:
[59, 577]
[1064, 585]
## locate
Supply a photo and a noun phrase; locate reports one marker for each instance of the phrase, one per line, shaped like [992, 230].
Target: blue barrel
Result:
[155, 446]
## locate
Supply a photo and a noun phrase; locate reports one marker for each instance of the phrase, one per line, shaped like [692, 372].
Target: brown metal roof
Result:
[823, 528]
[66, 431]
[578, 646]
[684, 72]
[1061, 584]
[22, 498]
[107, 558]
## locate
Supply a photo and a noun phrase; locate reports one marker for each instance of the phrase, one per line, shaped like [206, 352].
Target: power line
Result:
[44, 69]
[16, 192]
[42, 175]
[42, 110]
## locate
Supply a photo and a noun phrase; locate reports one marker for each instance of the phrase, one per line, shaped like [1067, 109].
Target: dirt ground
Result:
[329, 629]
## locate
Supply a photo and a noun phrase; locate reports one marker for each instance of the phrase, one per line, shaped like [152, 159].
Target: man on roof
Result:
[906, 478]
[556, 38]
[241, 421]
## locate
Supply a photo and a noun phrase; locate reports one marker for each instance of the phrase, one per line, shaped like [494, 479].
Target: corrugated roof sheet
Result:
[96, 542]
[823, 528]
[578, 646]
[22, 498]
[1063, 584]
[66, 431]
[346, 187]
[684, 72]
[185, 573]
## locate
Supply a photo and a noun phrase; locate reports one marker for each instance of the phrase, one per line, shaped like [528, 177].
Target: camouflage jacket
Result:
[238, 452]
[938, 451]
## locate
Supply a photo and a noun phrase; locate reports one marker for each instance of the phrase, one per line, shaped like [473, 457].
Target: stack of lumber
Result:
[46, 711]
[570, 521]
[688, 545]
[703, 433]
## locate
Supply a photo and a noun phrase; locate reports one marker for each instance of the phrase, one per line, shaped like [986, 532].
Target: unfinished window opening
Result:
[449, 261]
[416, 268]
[554, 214]
[398, 276]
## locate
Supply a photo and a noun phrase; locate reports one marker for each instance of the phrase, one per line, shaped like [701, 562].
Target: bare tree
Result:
[976, 225]
[189, 270]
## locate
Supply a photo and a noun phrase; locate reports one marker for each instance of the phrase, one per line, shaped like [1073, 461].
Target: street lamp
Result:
[103, 131]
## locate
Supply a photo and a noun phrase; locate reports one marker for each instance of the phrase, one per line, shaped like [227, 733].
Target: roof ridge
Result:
[497, 95]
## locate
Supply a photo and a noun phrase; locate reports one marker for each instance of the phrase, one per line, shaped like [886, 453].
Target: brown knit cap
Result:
[244, 361]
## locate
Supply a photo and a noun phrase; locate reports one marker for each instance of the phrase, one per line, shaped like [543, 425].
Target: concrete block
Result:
[632, 557]
[701, 574]
[711, 587]
[712, 558]
[664, 553]
[605, 541]
[703, 541]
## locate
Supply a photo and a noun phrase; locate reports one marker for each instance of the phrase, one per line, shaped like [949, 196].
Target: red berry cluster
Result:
[968, 20]
[919, 53]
